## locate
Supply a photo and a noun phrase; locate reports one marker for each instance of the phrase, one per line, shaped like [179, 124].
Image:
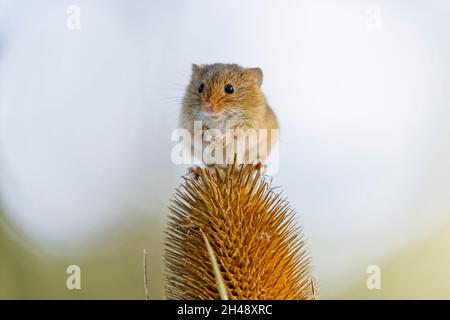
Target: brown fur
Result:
[245, 108]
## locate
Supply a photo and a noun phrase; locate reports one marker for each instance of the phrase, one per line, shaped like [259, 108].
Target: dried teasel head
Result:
[230, 235]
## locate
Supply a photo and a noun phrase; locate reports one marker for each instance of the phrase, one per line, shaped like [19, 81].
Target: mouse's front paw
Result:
[194, 172]
[218, 141]
[221, 140]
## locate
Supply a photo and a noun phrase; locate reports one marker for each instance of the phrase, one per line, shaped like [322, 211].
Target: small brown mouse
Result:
[228, 98]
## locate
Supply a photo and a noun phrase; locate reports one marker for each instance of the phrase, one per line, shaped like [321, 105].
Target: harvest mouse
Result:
[228, 101]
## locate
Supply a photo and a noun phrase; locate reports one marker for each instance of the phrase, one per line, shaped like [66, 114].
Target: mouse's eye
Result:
[201, 87]
[229, 88]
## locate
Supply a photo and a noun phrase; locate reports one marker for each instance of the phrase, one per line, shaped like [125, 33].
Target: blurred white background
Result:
[361, 89]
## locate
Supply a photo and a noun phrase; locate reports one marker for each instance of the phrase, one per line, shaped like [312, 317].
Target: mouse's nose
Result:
[208, 106]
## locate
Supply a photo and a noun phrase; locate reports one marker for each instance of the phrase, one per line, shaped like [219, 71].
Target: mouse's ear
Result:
[196, 70]
[256, 74]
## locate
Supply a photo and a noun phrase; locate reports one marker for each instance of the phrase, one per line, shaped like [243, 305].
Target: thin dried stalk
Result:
[144, 262]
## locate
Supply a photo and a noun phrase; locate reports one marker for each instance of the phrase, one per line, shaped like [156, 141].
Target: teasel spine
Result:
[253, 235]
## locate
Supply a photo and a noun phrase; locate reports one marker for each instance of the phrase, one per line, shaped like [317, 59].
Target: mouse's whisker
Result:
[168, 88]
[178, 102]
[174, 96]
[178, 85]
[174, 104]
[232, 111]
[172, 99]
